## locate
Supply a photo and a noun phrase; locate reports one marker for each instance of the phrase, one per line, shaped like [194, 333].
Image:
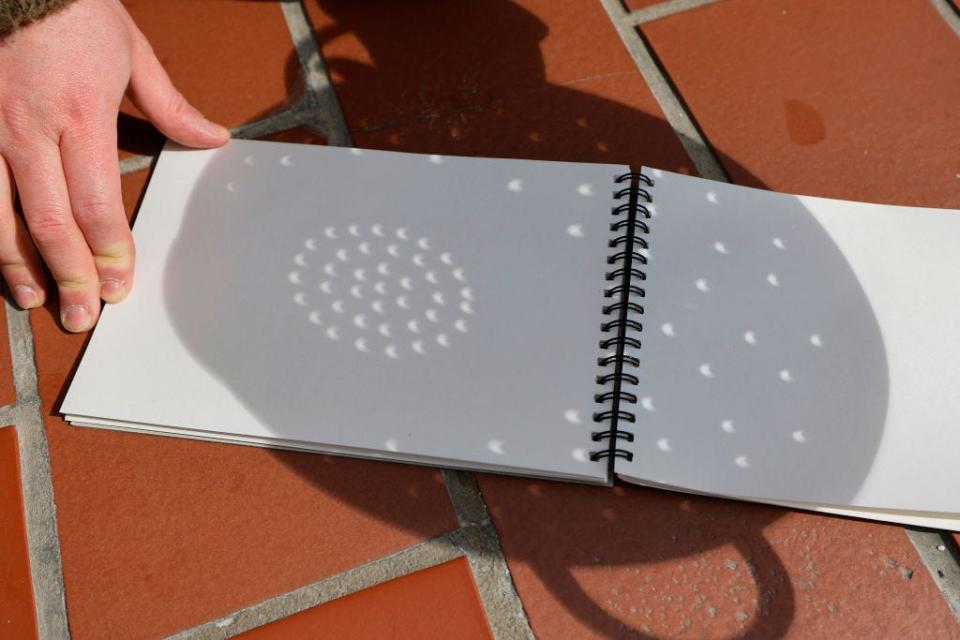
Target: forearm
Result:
[14, 13]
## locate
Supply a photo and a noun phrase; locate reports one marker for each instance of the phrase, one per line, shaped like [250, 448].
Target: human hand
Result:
[61, 82]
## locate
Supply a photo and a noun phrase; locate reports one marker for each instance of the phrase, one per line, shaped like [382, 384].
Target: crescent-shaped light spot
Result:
[391, 445]
[778, 243]
[496, 446]
[391, 351]
[702, 285]
[585, 189]
[727, 426]
[360, 320]
[750, 338]
[443, 340]
[417, 259]
[515, 185]
[361, 344]
[393, 250]
[816, 340]
[294, 277]
[364, 248]
[356, 152]
[383, 269]
[377, 230]
[332, 333]
[460, 325]
[572, 416]
[431, 315]
[377, 305]
[705, 370]
[330, 232]
[435, 159]
[459, 275]
[785, 375]
[647, 404]
[248, 161]
[326, 286]
[575, 230]
[402, 302]
[310, 244]
[300, 260]
[446, 258]
[664, 445]
[384, 329]
[431, 277]
[380, 288]
[354, 230]
[743, 462]
[232, 187]
[342, 255]
[799, 436]
[330, 269]
[667, 329]
[286, 161]
[466, 293]
[406, 283]
[712, 197]
[719, 247]
[580, 455]
[417, 345]
[315, 317]
[402, 233]
[337, 305]
[414, 326]
[773, 280]
[424, 244]
[356, 291]
[466, 307]
[360, 274]
[300, 299]
[438, 298]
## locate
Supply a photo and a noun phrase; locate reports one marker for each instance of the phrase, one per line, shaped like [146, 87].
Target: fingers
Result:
[19, 263]
[89, 156]
[153, 92]
[46, 207]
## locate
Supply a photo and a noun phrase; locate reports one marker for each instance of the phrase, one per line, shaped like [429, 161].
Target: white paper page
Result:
[799, 349]
[372, 303]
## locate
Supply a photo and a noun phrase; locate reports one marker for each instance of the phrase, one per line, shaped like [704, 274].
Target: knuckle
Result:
[76, 282]
[82, 105]
[15, 115]
[47, 222]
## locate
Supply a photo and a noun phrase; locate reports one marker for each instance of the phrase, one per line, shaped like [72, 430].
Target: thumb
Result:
[152, 91]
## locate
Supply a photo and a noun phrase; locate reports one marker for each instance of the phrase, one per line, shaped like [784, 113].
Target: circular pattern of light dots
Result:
[381, 290]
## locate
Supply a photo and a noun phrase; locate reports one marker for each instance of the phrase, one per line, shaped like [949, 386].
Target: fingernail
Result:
[26, 296]
[75, 318]
[112, 289]
[215, 129]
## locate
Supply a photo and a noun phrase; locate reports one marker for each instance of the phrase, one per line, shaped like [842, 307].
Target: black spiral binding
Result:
[627, 270]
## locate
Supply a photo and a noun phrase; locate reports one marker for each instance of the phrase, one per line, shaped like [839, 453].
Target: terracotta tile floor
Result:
[161, 535]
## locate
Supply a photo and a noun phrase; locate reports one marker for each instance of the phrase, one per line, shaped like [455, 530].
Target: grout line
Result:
[949, 12]
[666, 95]
[40, 510]
[940, 554]
[479, 539]
[7, 415]
[664, 9]
[329, 115]
[133, 164]
[418, 557]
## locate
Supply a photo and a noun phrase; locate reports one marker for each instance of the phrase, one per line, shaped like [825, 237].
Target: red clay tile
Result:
[8, 394]
[534, 78]
[598, 562]
[16, 586]
[440, 602]
[160, 534]
[835, 99]
[235, 61]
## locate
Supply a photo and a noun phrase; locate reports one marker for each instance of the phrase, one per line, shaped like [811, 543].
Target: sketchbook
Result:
[563, 320]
